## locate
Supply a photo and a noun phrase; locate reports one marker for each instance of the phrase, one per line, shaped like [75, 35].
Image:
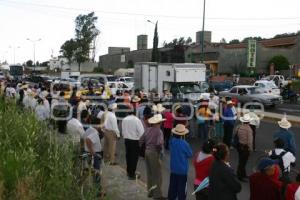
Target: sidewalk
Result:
[117, 186]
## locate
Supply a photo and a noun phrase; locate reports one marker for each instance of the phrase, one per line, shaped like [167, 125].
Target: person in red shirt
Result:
[263, 184]
[202, 163]
[168, 125]
[293, 190]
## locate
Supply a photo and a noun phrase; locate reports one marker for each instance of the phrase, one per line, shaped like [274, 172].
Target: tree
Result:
[178, 42]
[280, 62]
[223, 41]
[29, 63]
[86, 33]
[234, 41]
[83, 45]
[68, 49]
[130, 64]
[37, 63]
[155, 53]
[285, 35]
[251, 38]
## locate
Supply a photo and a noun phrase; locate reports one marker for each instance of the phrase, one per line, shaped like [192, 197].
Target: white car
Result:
[277, 79]
[128, 80]
[267, 87]
[115, 86]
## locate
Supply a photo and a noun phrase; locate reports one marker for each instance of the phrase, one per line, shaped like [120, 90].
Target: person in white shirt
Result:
[41, 111]
[132, 130]
[75, 130]
[285, 158]
[81, 105]
[254, 124]
[111, 134]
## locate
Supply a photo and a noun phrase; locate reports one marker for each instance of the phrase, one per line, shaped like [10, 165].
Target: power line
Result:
[146, 15]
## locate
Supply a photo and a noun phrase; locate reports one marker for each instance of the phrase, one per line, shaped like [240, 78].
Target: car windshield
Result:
[190, 88]
[254, 90]
[271, 85]
[111, 78]
[129, 79]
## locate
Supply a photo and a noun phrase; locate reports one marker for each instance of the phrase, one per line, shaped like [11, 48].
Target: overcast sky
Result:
[120, 21]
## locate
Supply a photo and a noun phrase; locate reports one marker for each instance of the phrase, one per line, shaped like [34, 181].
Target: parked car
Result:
[279, 80]
[220, 86]
[36, 80]
[115, 86]
[128, 80]
[268, 87]
[247, 94]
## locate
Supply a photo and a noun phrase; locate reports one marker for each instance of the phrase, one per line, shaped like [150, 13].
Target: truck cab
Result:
[187, 90]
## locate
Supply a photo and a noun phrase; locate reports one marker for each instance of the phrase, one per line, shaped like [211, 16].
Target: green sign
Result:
[251, 54]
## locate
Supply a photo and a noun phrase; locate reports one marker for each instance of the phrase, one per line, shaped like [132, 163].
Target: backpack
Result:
[279, 157]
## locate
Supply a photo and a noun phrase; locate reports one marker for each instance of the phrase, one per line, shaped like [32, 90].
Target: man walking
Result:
[132, 129]
[229, 121]
[286, 135]
[111, 134]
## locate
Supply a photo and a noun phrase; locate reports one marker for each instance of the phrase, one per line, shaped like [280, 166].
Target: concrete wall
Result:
[232, 60]
[112, 62]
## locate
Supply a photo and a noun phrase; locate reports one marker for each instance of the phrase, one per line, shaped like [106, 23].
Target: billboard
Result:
[251, 53]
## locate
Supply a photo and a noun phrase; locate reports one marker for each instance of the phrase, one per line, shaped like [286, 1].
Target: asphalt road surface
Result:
[263, 142]
[288, 108]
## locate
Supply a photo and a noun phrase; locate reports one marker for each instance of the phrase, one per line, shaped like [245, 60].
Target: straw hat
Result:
[284, 123]
[158, 108]
[156, 119]
[24, 87]
[113, 106]
[135, 99]
[245, 119]
[180, 130]
[229, 102]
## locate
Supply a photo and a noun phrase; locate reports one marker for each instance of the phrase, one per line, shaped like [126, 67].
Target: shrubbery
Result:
[33, 163]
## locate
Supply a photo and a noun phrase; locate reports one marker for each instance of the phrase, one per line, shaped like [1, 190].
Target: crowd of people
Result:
[150, 128]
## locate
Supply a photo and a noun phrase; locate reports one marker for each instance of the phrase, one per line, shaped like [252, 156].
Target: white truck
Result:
[182, 80]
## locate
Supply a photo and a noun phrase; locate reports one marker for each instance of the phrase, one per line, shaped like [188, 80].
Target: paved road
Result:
[288, 108]
[263, 141]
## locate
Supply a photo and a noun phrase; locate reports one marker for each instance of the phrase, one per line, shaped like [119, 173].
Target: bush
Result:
[280, 62]
[296, 85]
[33, 164]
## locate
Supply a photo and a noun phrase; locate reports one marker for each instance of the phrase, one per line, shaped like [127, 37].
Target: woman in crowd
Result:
[223, 183]
[202, 163]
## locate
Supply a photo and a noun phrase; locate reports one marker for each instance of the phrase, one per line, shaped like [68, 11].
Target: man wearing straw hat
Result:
[244, 146]
[154, 140]
[180, 153]
[111, 134]
[286, 135]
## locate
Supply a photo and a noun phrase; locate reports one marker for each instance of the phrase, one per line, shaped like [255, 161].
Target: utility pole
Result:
[202, 38]
[34, 43]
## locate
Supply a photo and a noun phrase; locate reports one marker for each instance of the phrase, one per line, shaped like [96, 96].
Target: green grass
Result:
[33, 164]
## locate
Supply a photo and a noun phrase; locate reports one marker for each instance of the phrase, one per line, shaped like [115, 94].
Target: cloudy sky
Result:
[120, 21]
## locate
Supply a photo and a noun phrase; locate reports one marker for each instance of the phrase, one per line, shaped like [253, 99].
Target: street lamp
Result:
[14, 52]
[33, 43]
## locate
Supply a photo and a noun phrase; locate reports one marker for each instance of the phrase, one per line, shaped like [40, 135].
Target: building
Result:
[207, 37]
[220, 58]
[118, 50]
[142, 42]
[233, 57]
